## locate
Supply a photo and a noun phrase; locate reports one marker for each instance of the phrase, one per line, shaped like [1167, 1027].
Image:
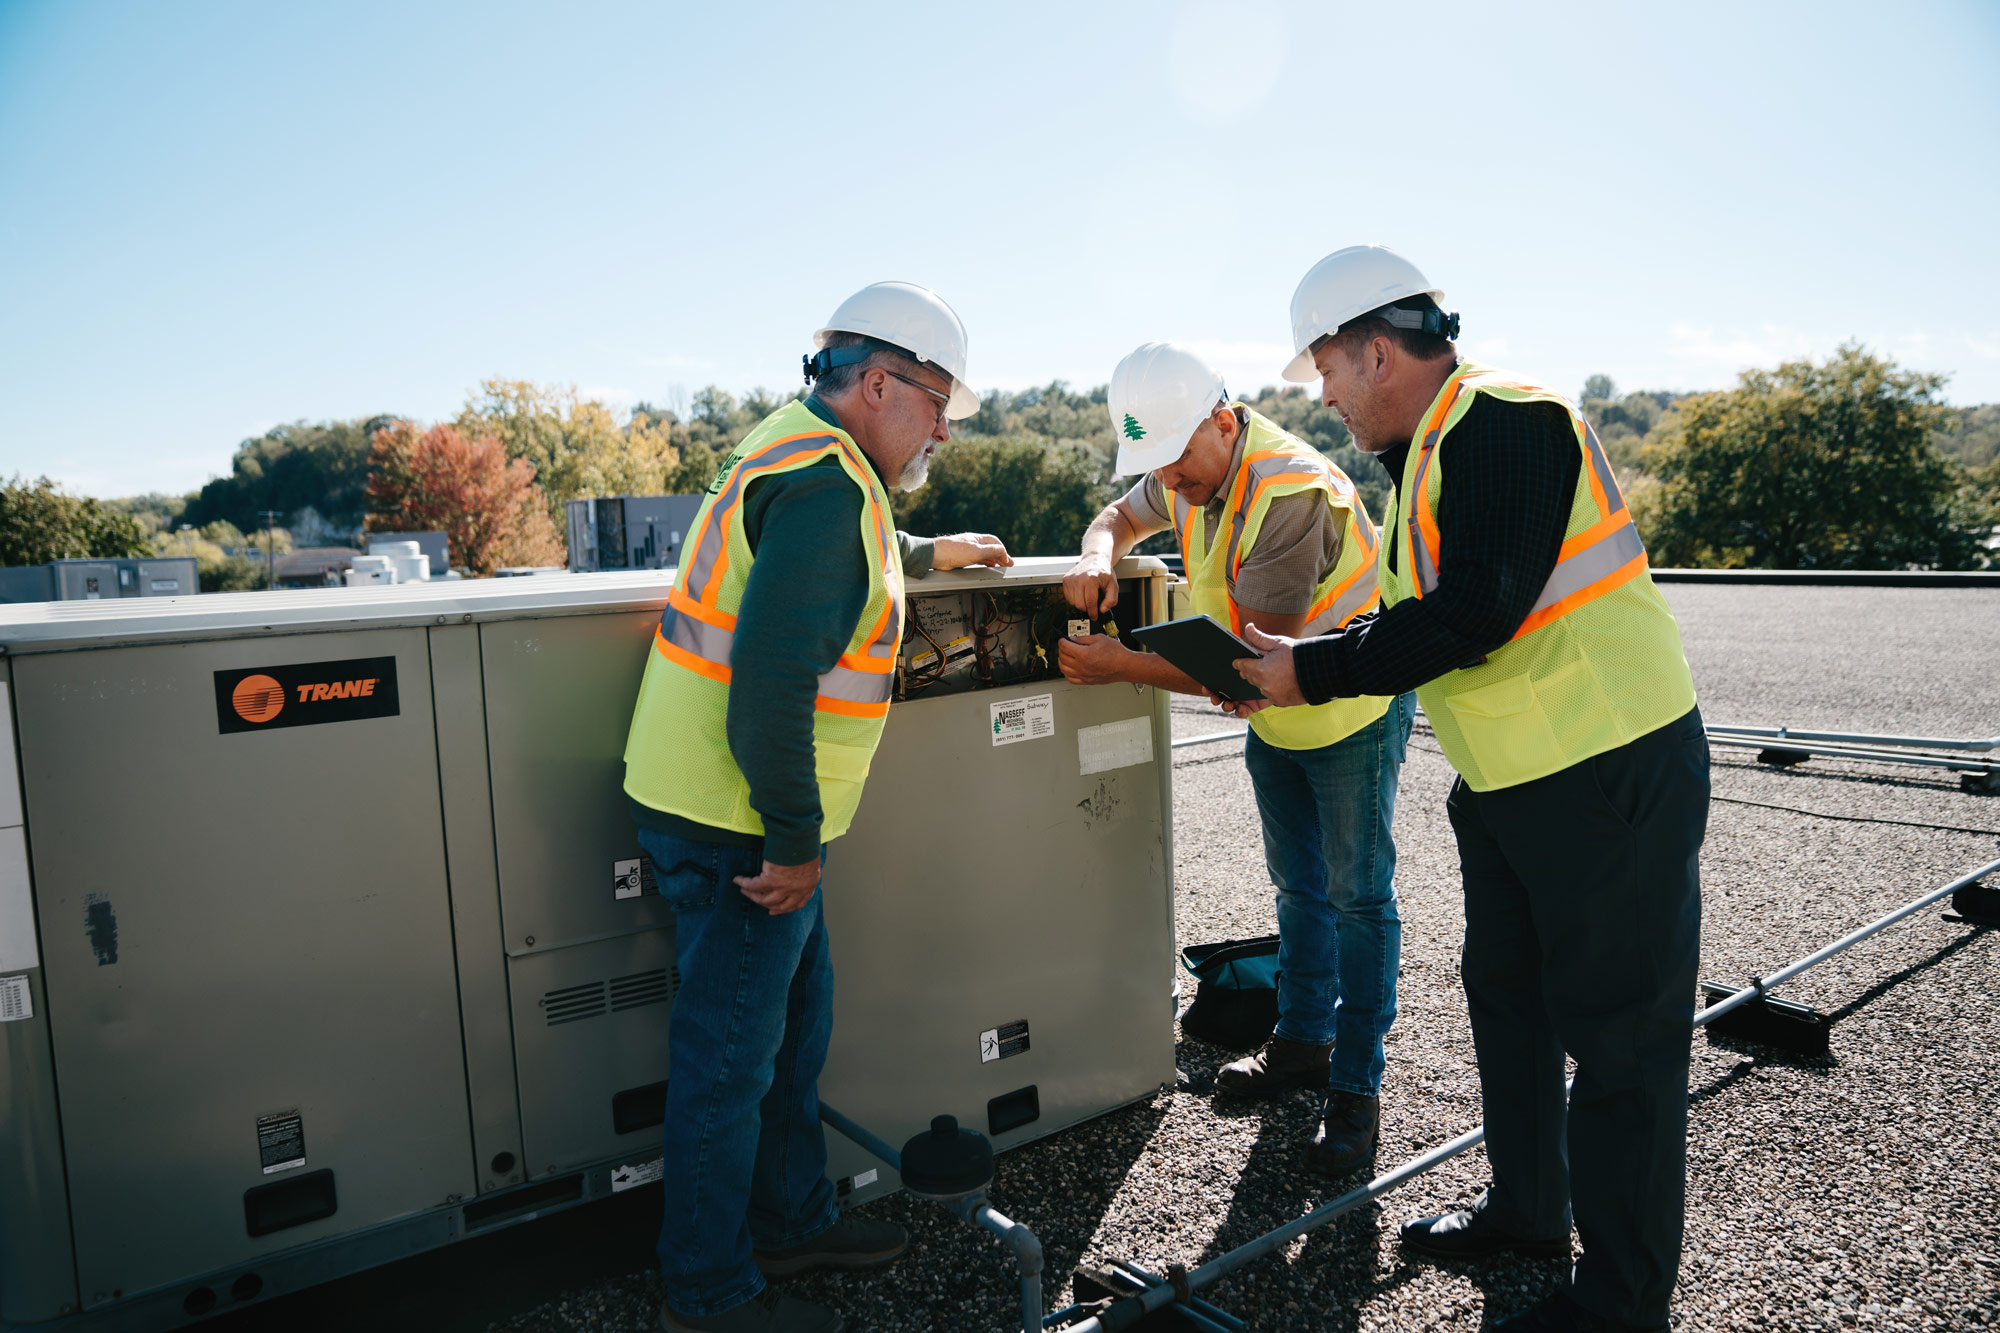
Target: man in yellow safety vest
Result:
[1516, 601]
[765, 693]
[1273, 535]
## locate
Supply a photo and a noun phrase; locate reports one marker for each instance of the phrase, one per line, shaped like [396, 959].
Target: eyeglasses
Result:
[943, 399]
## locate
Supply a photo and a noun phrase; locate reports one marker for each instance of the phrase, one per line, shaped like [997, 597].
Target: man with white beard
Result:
[764, 697]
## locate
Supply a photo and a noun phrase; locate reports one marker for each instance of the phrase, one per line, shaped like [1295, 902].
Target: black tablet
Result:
[1200, 646]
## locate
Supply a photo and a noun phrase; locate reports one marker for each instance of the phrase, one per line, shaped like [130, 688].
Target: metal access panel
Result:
[589, 941]
[1001, 912]
[590, 1038]
[247, 946]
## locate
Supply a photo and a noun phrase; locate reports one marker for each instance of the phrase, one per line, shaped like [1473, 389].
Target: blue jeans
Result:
[744, 1155]
[1326, 816]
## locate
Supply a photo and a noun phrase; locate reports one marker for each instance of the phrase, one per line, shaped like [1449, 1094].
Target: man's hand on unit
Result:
[1090, 586]
[968, 548]
[1094, 659]
[781, 889]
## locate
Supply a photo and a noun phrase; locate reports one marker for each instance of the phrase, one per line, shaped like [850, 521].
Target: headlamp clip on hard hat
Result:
[1427, 321]
[826, 358]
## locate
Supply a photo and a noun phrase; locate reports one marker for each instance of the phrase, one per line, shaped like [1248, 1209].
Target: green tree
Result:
[1036, 495]
[575, 445]
[1814, 465]
[322, 466]
[225, 560]
[40, 522]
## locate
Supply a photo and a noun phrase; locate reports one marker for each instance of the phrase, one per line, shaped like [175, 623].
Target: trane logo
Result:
[305, 694]
[339, 689]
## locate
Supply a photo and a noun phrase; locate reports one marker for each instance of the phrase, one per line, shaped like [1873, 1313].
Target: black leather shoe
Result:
[1469, 1233]
[1280, 1066]
[1347, 1132]
[1560, 1314]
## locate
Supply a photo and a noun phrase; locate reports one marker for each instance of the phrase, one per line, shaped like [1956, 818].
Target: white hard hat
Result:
[915, 319]
[1159, 397]
[1345, 284]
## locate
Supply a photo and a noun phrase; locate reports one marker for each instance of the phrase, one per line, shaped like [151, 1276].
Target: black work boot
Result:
[1472, 1233]
[853, 1241]
[1279, 1066]
[1347, 1131]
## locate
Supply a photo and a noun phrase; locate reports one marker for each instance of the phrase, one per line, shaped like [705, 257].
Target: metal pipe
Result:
[861, 1136]
[1870, 756]
[973, 1209]
[1231, 735]
[1133, 1308]
[1027, 1252]
[1761, 984]
[1861, 738]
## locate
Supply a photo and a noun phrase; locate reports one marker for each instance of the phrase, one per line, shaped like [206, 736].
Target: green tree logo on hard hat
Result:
[1133, 430]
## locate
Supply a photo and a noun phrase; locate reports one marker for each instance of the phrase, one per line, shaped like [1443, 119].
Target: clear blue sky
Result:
[217, 217]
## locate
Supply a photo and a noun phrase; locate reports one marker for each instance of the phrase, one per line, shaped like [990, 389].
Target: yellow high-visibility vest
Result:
[1597, 662]
[1276, 464]
[677, 756]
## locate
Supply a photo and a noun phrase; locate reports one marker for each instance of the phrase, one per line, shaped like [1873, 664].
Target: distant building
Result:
[630, 531]
[91, 580]
[314, 566]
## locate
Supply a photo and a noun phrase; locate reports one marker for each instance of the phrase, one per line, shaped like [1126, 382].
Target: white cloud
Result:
[677, 363]
[1738, 348]
[1989, 348]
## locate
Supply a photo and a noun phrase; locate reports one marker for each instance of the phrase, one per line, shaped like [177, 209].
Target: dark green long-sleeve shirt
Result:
[807, 589]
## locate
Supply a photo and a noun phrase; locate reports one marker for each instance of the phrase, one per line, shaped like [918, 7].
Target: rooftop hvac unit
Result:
[289, 1052]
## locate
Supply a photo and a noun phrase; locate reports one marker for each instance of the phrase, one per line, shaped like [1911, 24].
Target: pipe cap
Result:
[946, 1161]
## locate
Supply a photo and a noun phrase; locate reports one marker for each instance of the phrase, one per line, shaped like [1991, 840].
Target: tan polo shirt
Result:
[1297, 547]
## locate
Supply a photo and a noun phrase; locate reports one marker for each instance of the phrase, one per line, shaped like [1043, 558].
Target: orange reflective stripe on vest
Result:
[1600, 559]
[696, 634]
[1257, 474]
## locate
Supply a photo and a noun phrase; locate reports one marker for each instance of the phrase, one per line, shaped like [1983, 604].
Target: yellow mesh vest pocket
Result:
[1505, 728]
[841, 770]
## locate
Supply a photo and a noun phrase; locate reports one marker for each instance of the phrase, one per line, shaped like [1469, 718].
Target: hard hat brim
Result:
[964, 402]
[1135, 457]
[1301, 369]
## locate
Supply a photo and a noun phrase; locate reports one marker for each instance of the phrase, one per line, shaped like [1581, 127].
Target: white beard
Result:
[915, 472]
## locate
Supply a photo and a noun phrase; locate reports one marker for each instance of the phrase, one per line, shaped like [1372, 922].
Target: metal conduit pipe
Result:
[1831, 751]
[1027, 1252]
[1860, 738]
[971, 1209]
[1211, 736]
[1125, 1313]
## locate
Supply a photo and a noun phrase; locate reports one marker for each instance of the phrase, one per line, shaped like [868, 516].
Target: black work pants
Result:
[1582, 935]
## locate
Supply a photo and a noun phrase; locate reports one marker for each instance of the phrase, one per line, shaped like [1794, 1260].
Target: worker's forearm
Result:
[1109, 536]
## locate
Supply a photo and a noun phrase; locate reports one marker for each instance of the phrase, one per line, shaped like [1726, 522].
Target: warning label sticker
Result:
[281, 1141]
[631, 879]
[1031, 719]
[636, 1173]
[1003, 1041]
[16, 1001]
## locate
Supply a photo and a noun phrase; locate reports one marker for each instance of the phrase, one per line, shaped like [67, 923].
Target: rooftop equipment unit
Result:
[289, 1053]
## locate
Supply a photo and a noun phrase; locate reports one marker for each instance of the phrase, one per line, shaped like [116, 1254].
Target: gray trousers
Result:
[1582, 935]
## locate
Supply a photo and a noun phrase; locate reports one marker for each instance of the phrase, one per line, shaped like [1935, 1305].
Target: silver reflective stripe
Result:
[708, 545]
[1263, 470]
[1426, 564]
[861, 687]
[1601, 465]
[710, 643]
[1599, 560]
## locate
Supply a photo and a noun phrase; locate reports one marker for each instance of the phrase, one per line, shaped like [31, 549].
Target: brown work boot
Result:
[766, 1312]
[1347, 1133]
[1279, 1066]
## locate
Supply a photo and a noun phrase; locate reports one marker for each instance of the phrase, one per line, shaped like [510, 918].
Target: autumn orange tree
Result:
[488, 506]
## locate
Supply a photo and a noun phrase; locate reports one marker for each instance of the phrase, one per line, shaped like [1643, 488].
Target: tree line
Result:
[1850, 462]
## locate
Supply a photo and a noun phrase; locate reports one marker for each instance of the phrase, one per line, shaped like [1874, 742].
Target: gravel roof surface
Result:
[1860, 1190]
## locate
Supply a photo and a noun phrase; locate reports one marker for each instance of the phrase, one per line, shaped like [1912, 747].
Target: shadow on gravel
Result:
[1762, 1055]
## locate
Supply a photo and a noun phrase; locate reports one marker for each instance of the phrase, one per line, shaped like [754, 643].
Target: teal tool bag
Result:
[1236, 1005]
